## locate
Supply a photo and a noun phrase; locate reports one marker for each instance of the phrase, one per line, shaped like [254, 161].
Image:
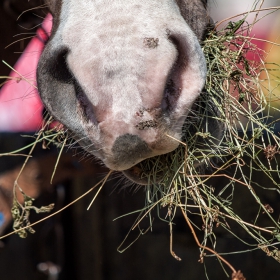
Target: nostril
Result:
[171, 94]
[57, 66]
[182, 49]
[84, 105]
[172, 88]
[187, 75]
[54, 67]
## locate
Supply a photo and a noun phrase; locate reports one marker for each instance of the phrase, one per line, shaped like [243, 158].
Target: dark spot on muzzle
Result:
[130, 149]
[151, 43]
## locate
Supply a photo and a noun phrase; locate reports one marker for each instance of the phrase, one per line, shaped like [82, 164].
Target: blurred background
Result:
[80, 244]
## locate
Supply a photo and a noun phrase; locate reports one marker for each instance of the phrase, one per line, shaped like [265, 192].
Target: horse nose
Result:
[129, 149]
[53, 62]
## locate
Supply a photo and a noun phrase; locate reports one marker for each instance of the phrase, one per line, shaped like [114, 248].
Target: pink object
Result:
[20, 105]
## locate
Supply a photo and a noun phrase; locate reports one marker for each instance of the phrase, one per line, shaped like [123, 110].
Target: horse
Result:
[123, 77]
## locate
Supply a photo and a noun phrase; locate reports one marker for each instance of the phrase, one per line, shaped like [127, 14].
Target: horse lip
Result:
[136, 175]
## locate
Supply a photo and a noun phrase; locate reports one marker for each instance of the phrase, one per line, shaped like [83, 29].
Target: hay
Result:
[236, 100]
[227, 135]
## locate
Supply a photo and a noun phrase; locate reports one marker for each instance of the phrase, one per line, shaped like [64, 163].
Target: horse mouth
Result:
[137, 175]
[149, 171]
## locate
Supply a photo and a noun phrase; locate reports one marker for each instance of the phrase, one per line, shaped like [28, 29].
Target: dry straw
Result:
[236, 101]
[228, 140]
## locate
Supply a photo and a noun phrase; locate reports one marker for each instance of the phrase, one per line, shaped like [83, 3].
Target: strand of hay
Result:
[236, 98]
[228, 141]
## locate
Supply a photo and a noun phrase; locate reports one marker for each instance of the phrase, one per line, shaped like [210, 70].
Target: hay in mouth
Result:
[229, 134]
